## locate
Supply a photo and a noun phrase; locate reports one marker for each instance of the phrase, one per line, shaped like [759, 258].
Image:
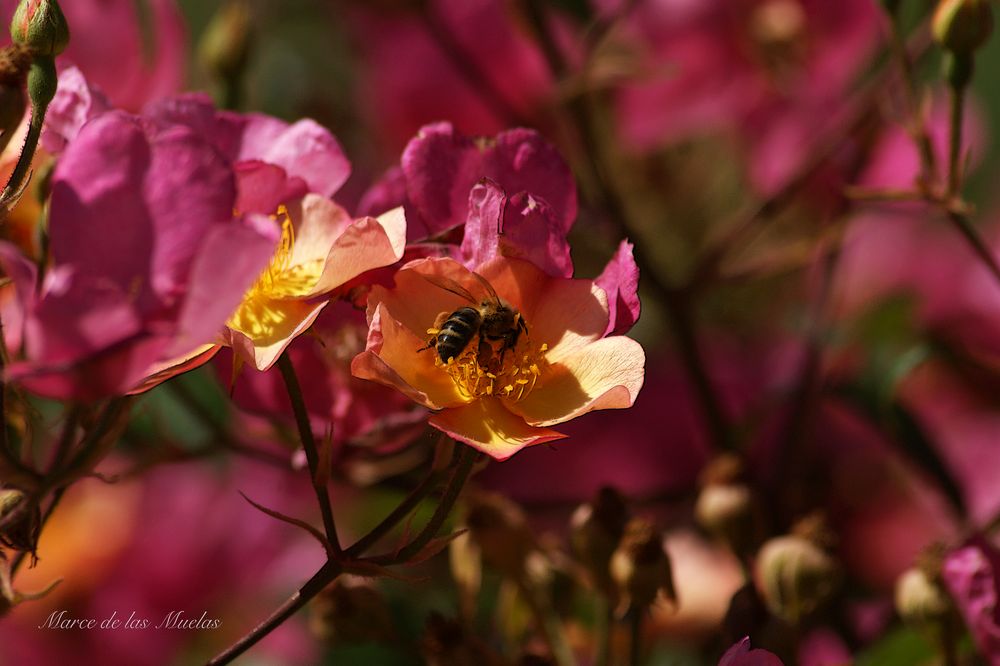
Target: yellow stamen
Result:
[514, 380]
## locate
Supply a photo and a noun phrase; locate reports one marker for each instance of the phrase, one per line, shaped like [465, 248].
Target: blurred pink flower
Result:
[183, 540]
[136, 277]
[419, 70]
[772, 72]
[972, 575]
[133, 54]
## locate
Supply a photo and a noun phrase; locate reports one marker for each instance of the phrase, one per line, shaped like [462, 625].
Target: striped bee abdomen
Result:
[457, 331]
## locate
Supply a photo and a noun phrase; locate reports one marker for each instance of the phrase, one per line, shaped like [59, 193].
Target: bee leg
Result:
[484, 353]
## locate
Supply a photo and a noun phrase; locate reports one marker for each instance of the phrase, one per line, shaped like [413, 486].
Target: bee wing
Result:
[450, 285]
[489, 288]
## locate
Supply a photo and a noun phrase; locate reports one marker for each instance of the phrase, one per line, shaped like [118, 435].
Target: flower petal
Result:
[972, 576]
[228, 262]
[262, 187]
[366, 244]
[272, 328]
[520, 226]
[392, 358]
[606, 374]
[164, 370]
[75, 103]
[620, 281]
[487, 426]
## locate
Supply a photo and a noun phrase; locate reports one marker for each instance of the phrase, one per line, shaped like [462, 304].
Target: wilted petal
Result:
[741, 655]
[972, 576]
[520, 227]
[620, 281]
[392, 357]
[486, 425]
[606, 374]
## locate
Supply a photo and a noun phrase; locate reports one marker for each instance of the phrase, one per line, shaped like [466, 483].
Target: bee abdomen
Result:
[457, 331]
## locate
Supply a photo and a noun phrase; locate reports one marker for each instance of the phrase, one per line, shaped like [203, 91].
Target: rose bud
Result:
[726, 508]
[922, 601]
[350, 610]
[19, 521]
[500, 529]
[795, 576]
[962, 26]
[596, 529]
[640, 567]
[40, 26]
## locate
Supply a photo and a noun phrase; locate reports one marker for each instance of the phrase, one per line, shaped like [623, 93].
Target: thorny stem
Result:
[467, 458]
[309, 445]
[15, 184]
[326, 575]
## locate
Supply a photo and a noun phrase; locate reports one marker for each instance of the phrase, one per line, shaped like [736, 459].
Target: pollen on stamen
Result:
[514, 380]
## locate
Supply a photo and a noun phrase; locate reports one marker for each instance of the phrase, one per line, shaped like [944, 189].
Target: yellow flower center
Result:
[513, 379]
[260, 312]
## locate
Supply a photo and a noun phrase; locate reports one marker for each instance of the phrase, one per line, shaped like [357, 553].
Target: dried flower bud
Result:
[726, 507]
[500, 529]
[596, 528]
[19, 521]
[922, 602]
[40, 26]
[447, 643]
[962, 26]
[795, 576]
[350, 610]
[225, 46]
[640, 567]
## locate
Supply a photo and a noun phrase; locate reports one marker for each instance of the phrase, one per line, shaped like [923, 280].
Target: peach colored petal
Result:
[415, 302]
[563, 313]
[391, 358]
[606, 374]
[164, 370]
[318, 222]
[365, 244]
[285, 319]
[486, 425]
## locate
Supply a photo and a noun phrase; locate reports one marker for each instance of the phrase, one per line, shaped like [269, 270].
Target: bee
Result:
[495, 320]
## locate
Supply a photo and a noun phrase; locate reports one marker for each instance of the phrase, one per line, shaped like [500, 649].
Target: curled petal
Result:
[486, 425]
[75, 103]
[392, 358]
[606, 374]
[271, 326]
[620, 281]
[365, 244]
[160, 372]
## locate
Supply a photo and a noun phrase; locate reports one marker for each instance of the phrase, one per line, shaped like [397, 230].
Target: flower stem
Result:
[326, 575]
[16, 182]
[467, 457]
[309, 445]
[957, 110]
[635, 637]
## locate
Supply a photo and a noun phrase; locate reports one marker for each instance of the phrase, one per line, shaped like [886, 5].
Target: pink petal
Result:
[75, 103]
[262, 187]
[441, 167]
[161, 371]
[520, 227]
[620, 281]
[740, 654]
[303, 149]
[484, 424]
[972, 576]
[228, 262]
